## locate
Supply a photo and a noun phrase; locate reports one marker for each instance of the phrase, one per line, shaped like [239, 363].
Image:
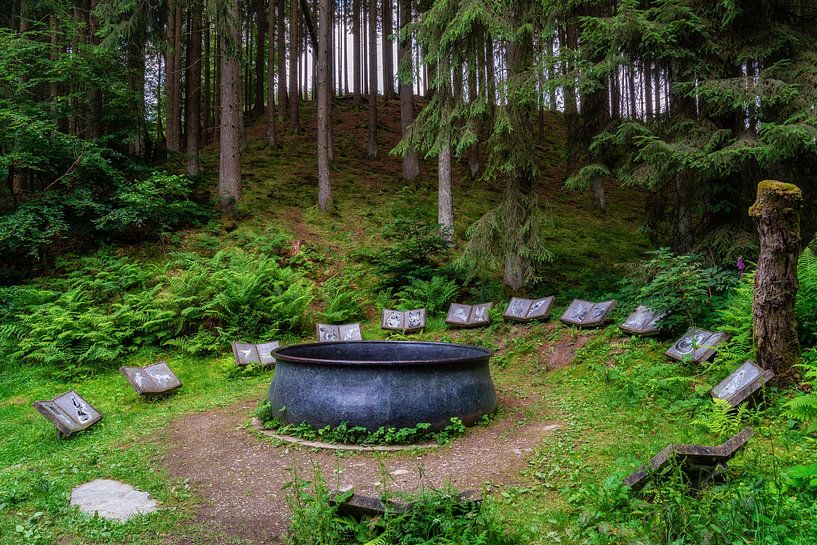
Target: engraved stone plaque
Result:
[343, 332]
[151, 380]
[741, 384]
[265, 352]
[586, 314]
[699, 462]
[644, 321]
[408, 321]
[469, 315]
[69, 413]
[697, 345]
[524, 310]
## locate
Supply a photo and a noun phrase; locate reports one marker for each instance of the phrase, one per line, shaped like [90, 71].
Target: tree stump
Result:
[777, 213]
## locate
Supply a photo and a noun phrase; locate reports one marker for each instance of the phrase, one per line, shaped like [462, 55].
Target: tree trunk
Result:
[193, 94]
[94, 115]
[324, 183]
[648, 111]
[411, 161]
[282, 62]
[206, 98]
[231, 134]
[372, 129]
[445, 201]
[271, 140]
[777, 213]
[260, 52]
[473, 151]
[357, 72]
[136, 76]
[294, 121]
[173, 77]
[388, 51]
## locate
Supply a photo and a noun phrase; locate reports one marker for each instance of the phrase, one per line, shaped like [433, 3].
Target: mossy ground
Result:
[620, 399]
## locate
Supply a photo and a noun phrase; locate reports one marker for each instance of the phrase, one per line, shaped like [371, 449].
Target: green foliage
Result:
[358, 435]
[436, 517]
[735, 319]
[806, 305]
[342, 301]
[804, 407]
[434, 295]
[110, 307]
[680, 286]
[723, 420]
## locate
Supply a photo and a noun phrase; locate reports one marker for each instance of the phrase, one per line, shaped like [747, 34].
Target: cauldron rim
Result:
[282, 354]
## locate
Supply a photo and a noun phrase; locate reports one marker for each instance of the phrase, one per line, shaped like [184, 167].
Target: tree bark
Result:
[445, 201]
[777, 213]
[357, 72]
[271, 140]
[294, 121]
[411, 161]
[282, 62]
[193, 94]
[206, 98]
[388, 51]
[173, 76]
[260, 51]
[324, 183]
[372, 129]
[231, 134]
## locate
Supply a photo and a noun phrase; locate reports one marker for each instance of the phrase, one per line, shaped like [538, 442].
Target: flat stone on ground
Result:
[112, 500]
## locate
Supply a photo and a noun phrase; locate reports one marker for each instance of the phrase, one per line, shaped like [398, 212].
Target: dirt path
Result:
[240, 476]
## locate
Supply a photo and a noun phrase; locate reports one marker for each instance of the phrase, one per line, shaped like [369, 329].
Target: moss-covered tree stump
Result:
[777, 213]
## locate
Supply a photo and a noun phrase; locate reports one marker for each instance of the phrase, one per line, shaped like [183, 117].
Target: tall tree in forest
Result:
[387, 50]
[193, 94]
[324, 112]
[282, 61]
[357, 60]
[271, 130]
[372, 128]
[260, 53]
[294, 44]
[232, 125]
[173, 68]
[411, 160]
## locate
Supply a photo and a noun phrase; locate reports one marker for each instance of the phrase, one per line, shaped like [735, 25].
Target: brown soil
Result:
[240, 477]
[561, 353]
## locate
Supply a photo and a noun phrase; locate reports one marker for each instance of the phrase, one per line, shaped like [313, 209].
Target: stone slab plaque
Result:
[587, 314]
[644, 321]
[265, 356]
[741, 384]
[408, 321]
[698, 345]
[151, 380]
[343, 332]
[699, 462]
[525, 310]
[69, 413]
[469, 315]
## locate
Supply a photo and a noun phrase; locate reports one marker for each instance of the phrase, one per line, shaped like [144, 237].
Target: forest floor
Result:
[580, 407]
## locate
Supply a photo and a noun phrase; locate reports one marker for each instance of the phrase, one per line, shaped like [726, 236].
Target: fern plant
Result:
[434, 295]
[723, 420]
[804, 407]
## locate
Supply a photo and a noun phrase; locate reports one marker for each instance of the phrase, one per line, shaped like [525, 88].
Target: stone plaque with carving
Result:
[697, 345]
[742, 383]
[69, 413]
[587, 314]
[261, 354]
[343, 332]
[469, 315]
[265, 350]
[408, 321]
[525, 310]
[644, 321]
[151, 380]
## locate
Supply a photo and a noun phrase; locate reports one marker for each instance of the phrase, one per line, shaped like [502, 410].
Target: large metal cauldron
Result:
[382, 383]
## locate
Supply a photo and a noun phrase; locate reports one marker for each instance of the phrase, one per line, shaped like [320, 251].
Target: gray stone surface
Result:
[246, 353]
[69, 413]
[698, 345]
[151, 380]
[587, 314]
[525, 310]
[644, 321]
[112, 500]
[408, 321]
[469, 315]
[741, 383]
[342, 332]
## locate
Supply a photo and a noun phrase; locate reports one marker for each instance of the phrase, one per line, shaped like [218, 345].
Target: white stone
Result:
[398, 472]
[112, 500]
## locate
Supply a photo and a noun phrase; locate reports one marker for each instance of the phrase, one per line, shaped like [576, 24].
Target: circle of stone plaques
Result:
[112, 500]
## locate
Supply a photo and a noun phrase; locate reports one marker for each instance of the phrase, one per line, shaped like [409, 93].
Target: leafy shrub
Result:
[110, 307]
[435, 517]
[342, 301]
[804, 407]
[735, 319]
[434, 295]
[679, 285]
[806, 306]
